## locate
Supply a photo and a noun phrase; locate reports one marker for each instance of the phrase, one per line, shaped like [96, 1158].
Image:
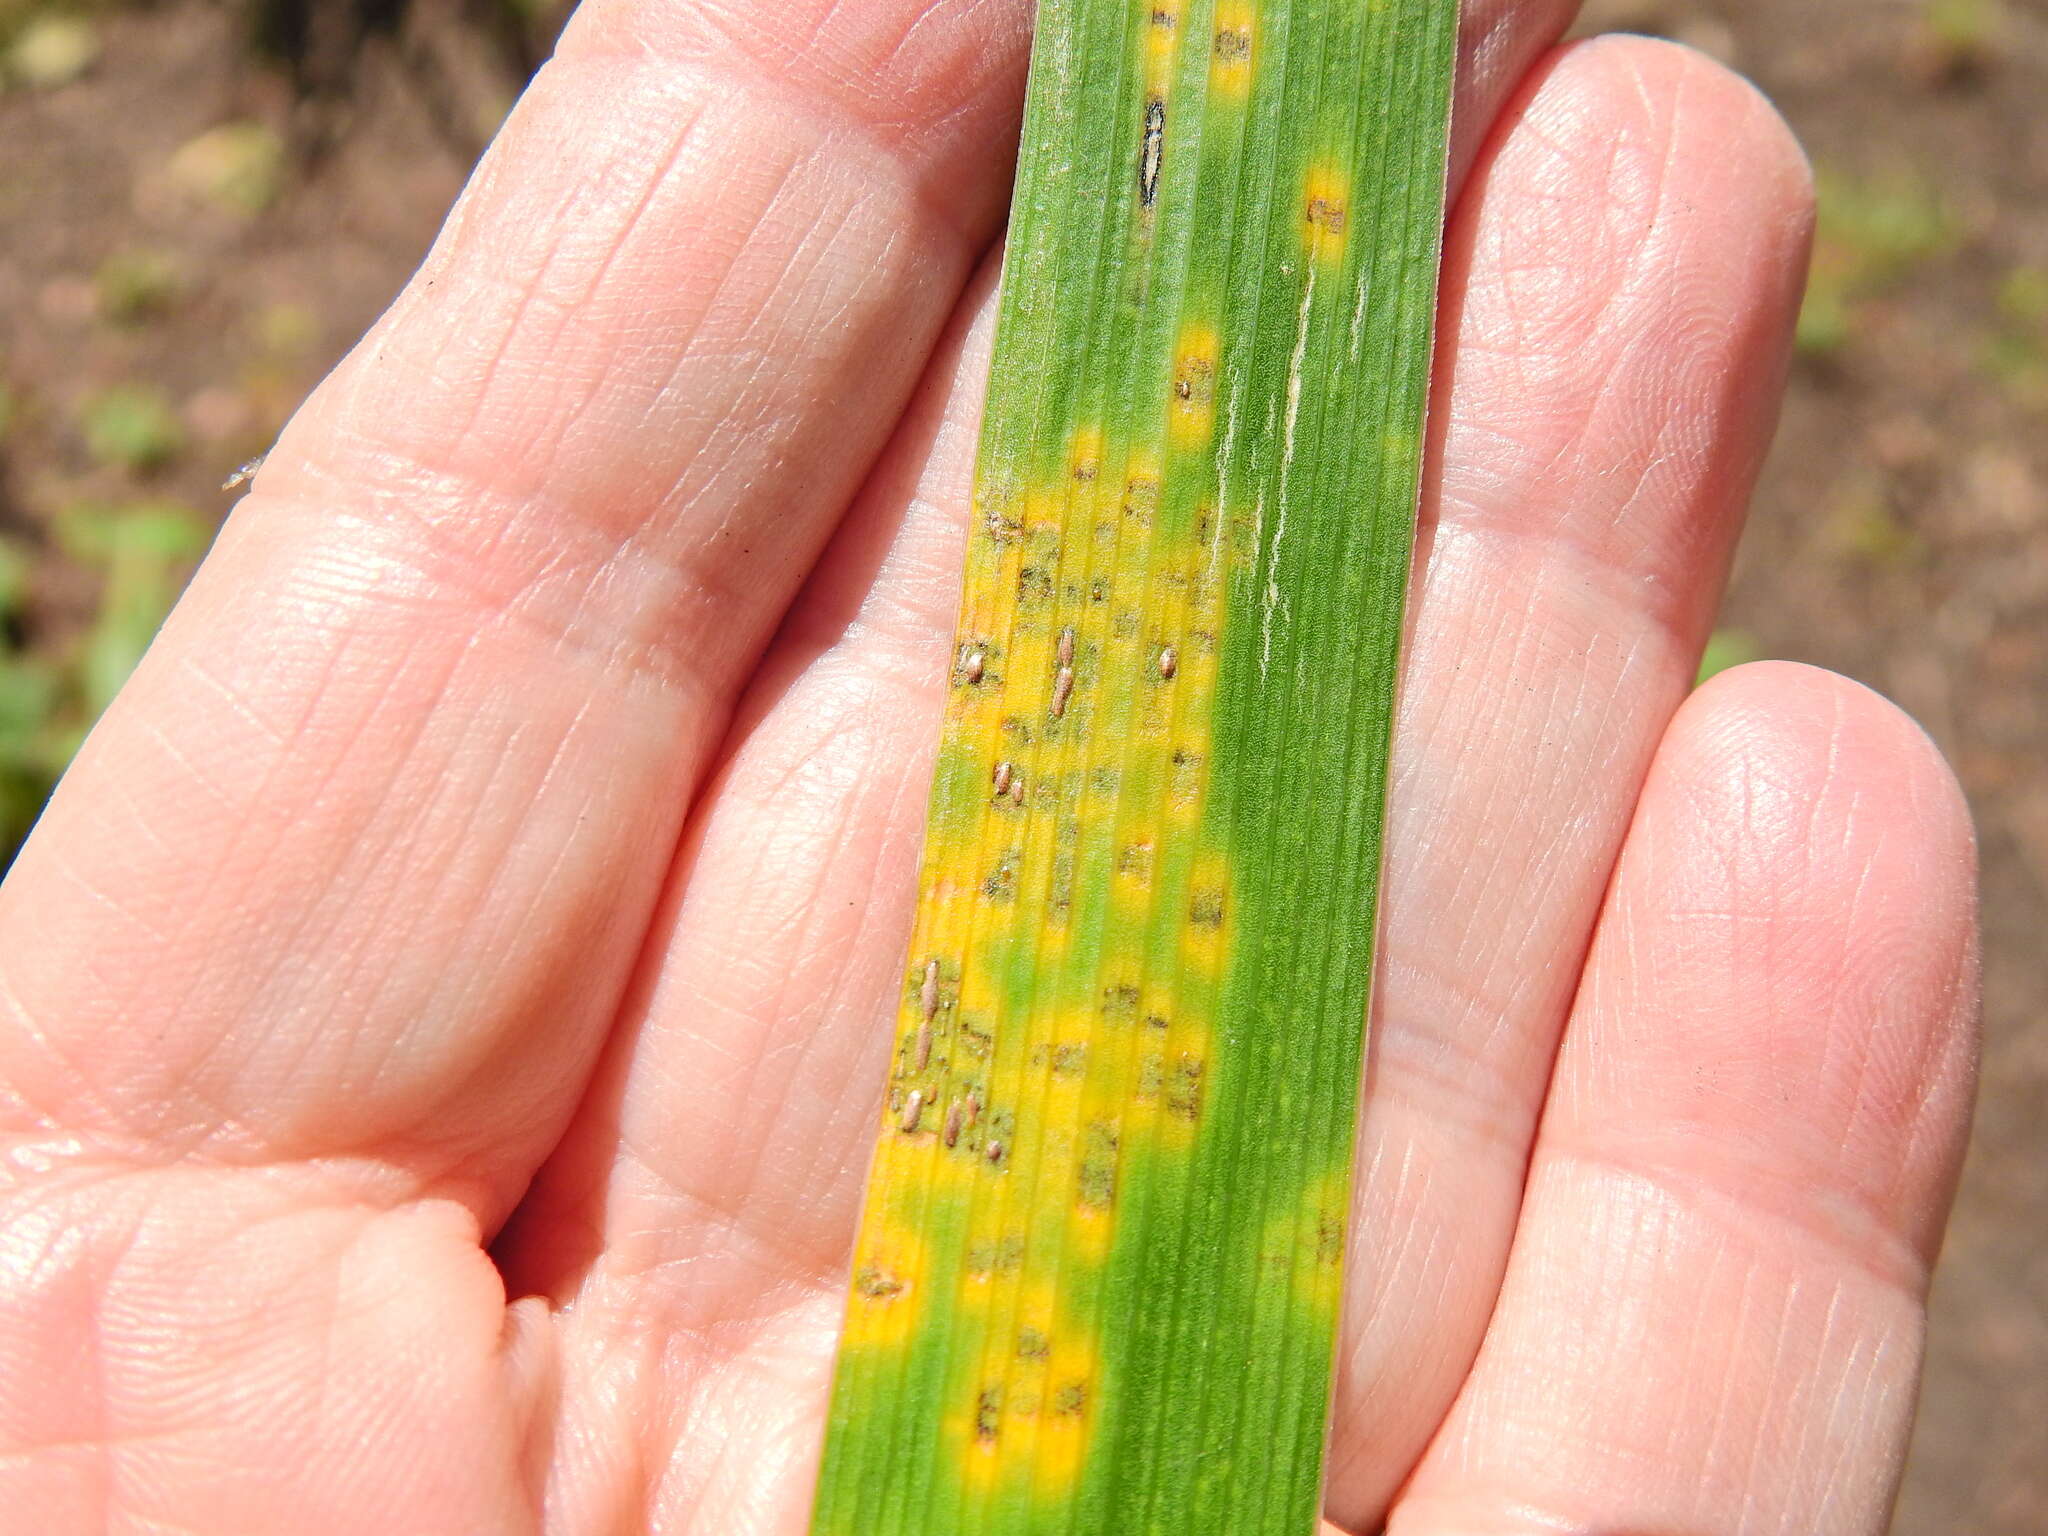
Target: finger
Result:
[1713, 1318]
[360, 860]
[1622, 280]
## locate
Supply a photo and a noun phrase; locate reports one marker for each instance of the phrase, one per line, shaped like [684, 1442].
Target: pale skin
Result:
[444, 1012]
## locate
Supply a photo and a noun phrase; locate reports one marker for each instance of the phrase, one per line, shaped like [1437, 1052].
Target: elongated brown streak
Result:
[1154, 150]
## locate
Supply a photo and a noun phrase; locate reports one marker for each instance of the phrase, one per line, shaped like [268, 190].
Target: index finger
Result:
[377, 825]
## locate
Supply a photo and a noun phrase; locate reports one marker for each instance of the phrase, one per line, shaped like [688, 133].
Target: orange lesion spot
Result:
[1182, 1093]
[978, 1431]
[1172, 1067]
[1326, 212]
[1063, 1433]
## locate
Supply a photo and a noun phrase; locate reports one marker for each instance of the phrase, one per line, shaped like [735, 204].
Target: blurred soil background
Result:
[204, 202]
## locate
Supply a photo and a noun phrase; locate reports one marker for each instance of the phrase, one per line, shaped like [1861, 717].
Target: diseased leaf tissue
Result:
[1095, 1288]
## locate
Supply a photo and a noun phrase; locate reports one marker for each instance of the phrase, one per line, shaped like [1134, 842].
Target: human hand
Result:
[443, 1013]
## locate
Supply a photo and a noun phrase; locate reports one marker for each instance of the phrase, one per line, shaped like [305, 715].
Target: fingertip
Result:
[1727, 106]
[1838, 741]
[1621, 284]
[1804, 859]
[1659, 145]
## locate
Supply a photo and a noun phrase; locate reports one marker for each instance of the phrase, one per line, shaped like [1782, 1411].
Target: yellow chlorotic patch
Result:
[1230, 51]
[1084, 453]
[1307, 1241]
[1164, 19]
[1326, 213]
[1024, 1416]
[1204, 951]
[891, 1268]
[1055, 1016]
[1191, 414]
[1091, 1230]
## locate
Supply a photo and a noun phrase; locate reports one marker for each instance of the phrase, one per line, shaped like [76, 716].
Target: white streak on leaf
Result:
[1276, 601]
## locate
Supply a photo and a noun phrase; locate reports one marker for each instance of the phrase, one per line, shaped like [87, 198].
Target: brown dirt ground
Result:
[1901, 535]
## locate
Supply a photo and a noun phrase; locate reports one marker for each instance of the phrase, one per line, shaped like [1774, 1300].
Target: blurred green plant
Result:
[286, 330]
[2023, 296]
[1728, 648]
[138, 285]
[131, 427]
[236, 167]
[49, 49]
[1872, 233]
[1862, 523]
[2015, 353]
[142, 553]
[1958, 35]
[36, 739]
[145, 551]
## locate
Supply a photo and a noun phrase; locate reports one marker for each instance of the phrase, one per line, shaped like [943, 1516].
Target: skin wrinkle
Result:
[545, 234]
[669, 652]
[1867, 1242]
[393, 827]
[459, 556]
[288, 944]
[1804, 831]
[1450, 968]
[968, 229]
[683, 1190]
[581, 301]
[723, 1240]
[714, 35]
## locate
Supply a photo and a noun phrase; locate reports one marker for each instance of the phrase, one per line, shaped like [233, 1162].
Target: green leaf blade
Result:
[1096, 1285]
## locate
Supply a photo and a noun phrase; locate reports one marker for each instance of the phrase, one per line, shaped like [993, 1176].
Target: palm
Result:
[506, 854]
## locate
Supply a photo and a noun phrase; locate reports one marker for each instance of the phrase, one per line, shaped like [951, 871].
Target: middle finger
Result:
[1621, 279]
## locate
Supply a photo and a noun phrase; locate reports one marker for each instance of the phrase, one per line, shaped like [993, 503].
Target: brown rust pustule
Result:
[1062, 691]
